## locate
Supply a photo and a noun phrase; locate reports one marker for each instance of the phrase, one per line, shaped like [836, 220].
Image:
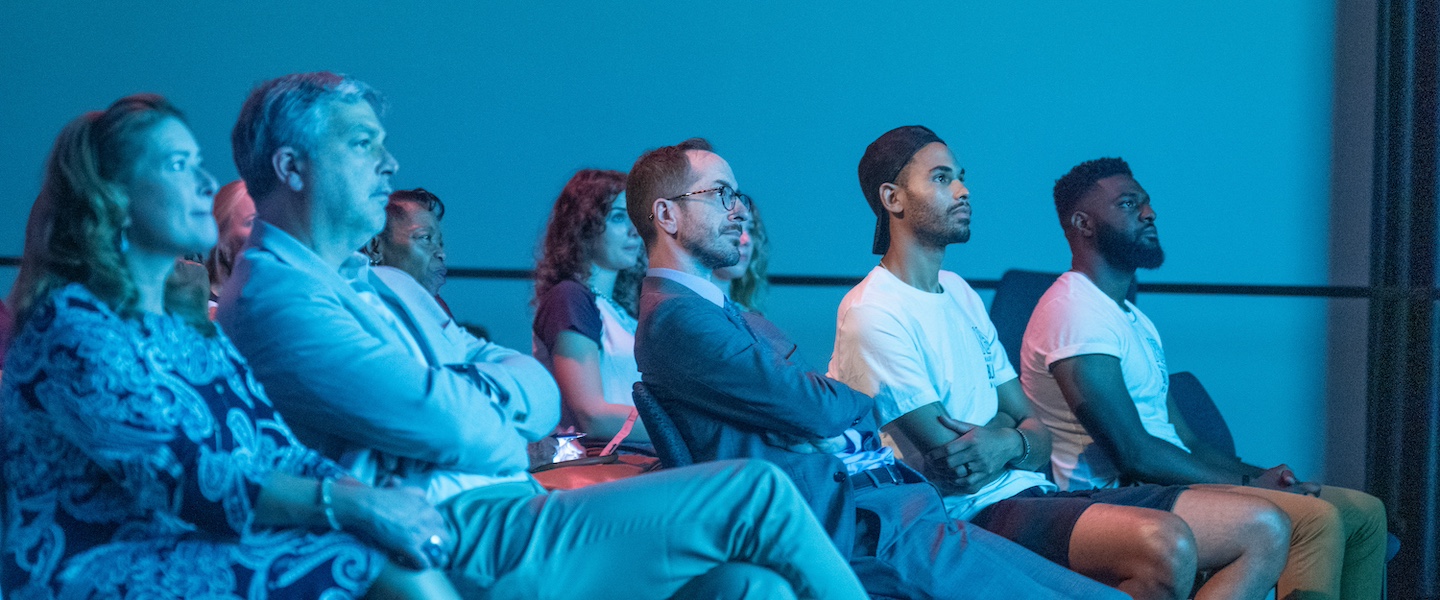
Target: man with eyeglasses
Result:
[370, 371]
[735, 388]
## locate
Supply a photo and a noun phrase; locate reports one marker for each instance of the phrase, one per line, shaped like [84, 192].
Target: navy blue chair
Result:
[1015, 299]
[669, 446]
[1200, 413]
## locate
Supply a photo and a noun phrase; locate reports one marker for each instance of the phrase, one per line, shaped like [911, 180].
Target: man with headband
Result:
[918, 340]
[735, 387]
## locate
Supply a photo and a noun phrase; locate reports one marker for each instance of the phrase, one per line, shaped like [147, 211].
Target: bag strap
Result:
[622, 434]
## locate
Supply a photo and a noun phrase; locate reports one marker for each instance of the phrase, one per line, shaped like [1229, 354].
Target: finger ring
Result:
[434, 551]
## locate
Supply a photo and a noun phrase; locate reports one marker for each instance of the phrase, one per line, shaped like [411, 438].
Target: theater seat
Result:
[1199, 411]
[669, 446]
[1015, 299]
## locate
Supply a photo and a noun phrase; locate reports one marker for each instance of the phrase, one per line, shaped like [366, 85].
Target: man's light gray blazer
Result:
[342, 376]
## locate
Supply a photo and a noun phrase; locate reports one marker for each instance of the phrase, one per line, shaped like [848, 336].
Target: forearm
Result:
[604, 421]
[1164, 463]
[1223, 461]
[534, 399]
[289, 501]
[1037, 437]
[358, 387]
[715, 368]
[1002, 420]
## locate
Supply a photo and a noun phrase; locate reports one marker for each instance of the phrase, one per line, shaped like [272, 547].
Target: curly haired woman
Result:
[587, 289]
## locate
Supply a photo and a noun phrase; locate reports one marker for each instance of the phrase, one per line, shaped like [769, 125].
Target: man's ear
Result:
[1080, 222]
[666, 216]
[891, 198]
[287, 164]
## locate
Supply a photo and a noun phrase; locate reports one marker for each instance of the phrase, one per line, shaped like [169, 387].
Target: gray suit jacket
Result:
[344, 379]
[728, 381]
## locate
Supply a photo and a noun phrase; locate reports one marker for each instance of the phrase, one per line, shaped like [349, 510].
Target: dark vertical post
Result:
[1404, 400]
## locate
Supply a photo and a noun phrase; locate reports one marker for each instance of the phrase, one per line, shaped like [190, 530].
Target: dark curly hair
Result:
[575, 225]
[1073, 186]
[76, 226]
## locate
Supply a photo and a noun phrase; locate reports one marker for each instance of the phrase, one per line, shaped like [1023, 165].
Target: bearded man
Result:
[1094, 369]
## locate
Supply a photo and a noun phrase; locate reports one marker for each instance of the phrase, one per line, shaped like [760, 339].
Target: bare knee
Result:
[1149, 554]
[1267, 529]
[1169, 546]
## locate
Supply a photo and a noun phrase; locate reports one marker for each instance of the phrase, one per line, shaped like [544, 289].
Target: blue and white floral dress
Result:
[133, 452]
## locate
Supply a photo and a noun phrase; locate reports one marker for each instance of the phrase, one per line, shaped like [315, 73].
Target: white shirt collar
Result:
[706, 288]
[355, 268]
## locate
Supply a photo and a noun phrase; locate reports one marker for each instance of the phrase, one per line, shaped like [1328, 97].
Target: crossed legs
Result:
[1154, 554]
[1337, 549]
[647, 537]
[1244, 538]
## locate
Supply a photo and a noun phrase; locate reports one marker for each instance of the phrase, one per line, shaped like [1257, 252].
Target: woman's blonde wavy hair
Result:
[749, 290]
[76, 229]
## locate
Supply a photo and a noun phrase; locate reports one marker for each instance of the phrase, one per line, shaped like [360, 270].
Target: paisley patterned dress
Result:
[133, 452]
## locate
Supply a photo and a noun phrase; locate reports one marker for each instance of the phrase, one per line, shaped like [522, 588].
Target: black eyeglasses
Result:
[728, 196]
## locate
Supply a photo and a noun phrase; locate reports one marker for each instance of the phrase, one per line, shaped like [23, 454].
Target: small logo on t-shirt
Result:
[1160, 362]
[987, 349]
[1159, 354]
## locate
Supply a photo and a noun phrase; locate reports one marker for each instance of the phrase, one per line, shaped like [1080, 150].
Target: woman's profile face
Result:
[618, 247]
[170, 193]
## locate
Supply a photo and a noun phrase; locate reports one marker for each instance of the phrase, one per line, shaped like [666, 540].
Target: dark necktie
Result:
[737, 314]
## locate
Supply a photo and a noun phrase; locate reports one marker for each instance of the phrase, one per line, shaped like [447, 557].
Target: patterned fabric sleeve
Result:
[120, 439]
[151, 431]
[298, 459]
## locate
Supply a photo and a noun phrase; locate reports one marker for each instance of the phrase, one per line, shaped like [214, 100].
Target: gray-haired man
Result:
[365, 371]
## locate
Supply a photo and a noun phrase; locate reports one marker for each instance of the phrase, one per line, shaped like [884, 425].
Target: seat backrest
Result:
[1015, 299]
[669, 446]
[1200, 413]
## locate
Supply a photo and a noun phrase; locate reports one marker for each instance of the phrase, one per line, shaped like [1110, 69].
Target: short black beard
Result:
[714, 255]
[939, 238]
[930, 229]
[1126, 253]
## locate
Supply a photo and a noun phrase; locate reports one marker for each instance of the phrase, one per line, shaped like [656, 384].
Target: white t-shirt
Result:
[908, 348]
[1073, 318]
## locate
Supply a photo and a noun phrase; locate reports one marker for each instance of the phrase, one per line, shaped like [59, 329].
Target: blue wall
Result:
[1223, 108]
